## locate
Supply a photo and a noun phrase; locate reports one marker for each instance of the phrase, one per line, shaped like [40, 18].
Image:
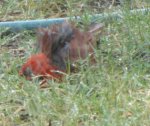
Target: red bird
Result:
[40, 65]
[60, 46]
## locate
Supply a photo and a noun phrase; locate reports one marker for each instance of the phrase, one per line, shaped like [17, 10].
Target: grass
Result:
[115, 91]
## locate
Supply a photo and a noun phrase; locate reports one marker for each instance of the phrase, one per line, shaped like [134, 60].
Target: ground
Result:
[115, 91]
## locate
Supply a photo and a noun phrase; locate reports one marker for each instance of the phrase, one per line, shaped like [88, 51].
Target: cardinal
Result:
[40, 65]
[60, 45]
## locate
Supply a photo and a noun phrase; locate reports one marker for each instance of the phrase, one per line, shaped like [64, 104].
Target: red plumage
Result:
[40, 65]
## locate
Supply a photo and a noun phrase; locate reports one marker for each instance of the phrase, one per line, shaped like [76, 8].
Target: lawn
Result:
[113, 92]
